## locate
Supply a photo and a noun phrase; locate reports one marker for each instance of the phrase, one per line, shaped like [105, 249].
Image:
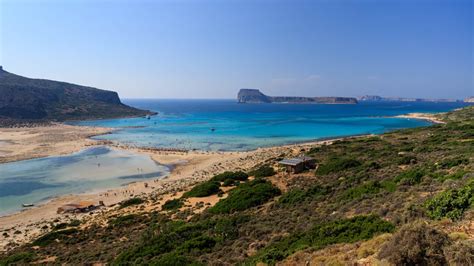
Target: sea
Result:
[209, 125]
[225, 125]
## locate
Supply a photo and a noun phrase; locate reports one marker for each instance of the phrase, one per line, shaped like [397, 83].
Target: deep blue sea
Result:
[226, 125]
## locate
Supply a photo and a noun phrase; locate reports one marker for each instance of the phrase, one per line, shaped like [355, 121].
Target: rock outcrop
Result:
[39, 99]
[256, 96]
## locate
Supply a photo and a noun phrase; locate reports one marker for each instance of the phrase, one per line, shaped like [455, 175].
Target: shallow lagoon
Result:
[93, 169]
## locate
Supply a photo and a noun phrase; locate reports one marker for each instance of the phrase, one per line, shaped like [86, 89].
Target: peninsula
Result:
[377, 98]
[26, 99]
[255, 96]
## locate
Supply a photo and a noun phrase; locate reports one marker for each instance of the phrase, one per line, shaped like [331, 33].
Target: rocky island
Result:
[255, 96]
[27, 99]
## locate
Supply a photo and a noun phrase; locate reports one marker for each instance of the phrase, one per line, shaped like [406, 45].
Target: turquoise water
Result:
[228, 126]
[194, 124]
[98, 168]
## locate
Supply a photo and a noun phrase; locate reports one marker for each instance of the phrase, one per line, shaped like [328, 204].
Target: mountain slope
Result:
[39, 99]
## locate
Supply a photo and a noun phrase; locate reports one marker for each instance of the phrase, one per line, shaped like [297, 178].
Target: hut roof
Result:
[295, 161]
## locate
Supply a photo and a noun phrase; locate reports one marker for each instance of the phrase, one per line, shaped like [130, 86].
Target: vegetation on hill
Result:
[414, 186]
[23, 98]
[246, 195]
[204, 189]
[323, 234]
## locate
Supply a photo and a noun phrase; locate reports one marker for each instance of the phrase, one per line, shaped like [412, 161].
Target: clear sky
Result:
[210, 49]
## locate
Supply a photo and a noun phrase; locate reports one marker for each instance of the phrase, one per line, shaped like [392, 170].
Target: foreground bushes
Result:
[410, 177]
[336, 165]
[415, 245]
[53, 236]
[452, 203]
[204, 189]
[130, 202]
[234, 176]
[296, 196]
[245, 196]
[172, 204]
[18, 259]
[322, 235]
[178, 241]
[263, 171]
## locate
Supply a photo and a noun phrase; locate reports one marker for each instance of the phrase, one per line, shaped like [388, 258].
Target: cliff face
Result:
[252, 96]
[25, 98]
[255, 96]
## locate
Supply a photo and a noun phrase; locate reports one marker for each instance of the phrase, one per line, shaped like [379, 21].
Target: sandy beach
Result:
[34, 142]
[189, 168]
[423, 116]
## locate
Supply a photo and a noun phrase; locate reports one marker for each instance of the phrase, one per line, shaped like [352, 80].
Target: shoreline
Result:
[422, 116]
[186, 169]
[190, 168]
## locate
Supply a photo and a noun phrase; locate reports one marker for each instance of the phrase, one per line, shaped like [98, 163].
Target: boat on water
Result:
[26, 205]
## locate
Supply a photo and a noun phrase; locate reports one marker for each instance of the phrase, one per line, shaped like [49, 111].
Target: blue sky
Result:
[210, 49]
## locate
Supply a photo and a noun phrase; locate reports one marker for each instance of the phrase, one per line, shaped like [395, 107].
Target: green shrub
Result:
[389, 185]
[337, 165]
[410, 177]
[245, 196]
[124, 220]
[369, 188]
[407, 159]
[322, 235]
[174, 259]
[230, 182]
[297, 195]
[452, 162]
[130, 202]
[17, 259]
[415, 245]
[451, 204]
[75, 223]
[456, 175]
[177, 240]
[60, 226]
[198, 244]
[204, 189]
[239, 175]
[52, 236]
[263, 171]
[172, 204]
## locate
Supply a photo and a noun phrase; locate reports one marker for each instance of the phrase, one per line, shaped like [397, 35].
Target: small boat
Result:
[26, 205]
[213, 129]
[148, 117]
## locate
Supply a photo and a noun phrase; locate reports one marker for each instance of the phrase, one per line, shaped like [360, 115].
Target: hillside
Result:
[256, 96]
[400, 198]
[23, 98]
